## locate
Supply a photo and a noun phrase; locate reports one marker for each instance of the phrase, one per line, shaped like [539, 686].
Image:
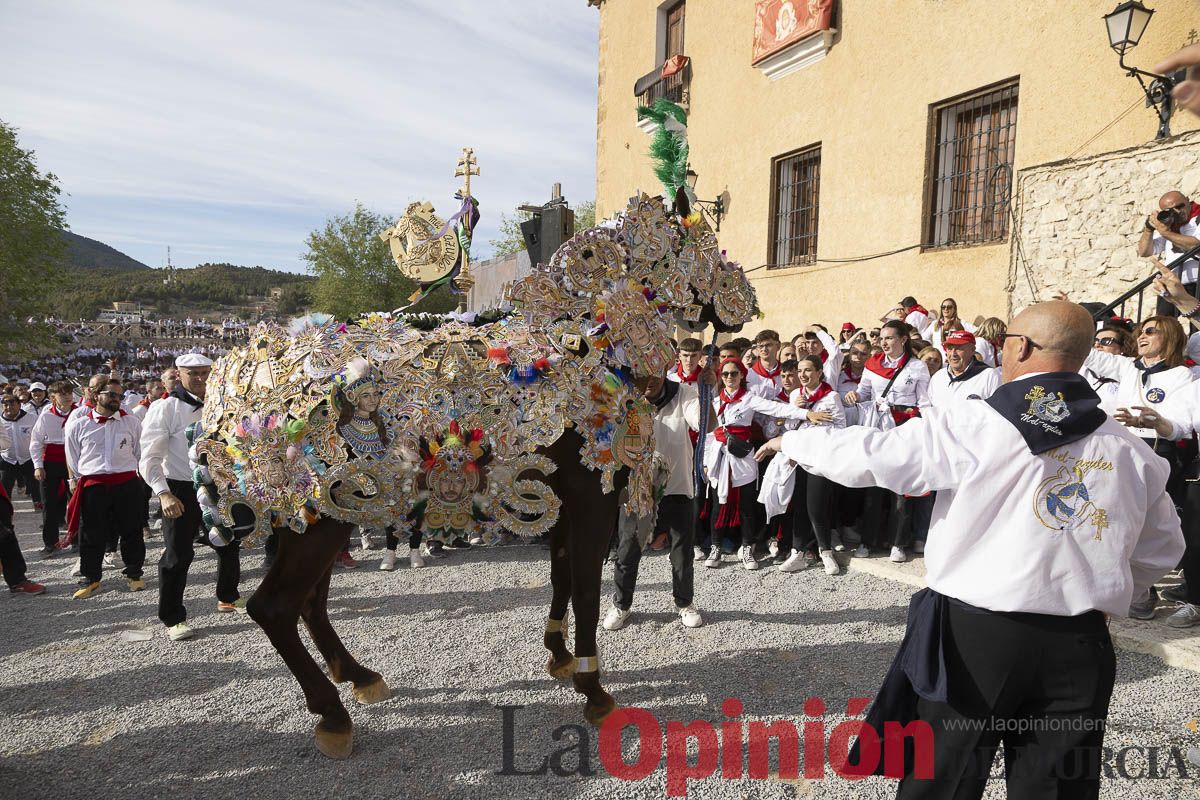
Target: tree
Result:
[355, 271]
[511, 241]
[31, 248]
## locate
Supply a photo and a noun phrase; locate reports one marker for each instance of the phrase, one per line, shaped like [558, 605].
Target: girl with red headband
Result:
[729, 457]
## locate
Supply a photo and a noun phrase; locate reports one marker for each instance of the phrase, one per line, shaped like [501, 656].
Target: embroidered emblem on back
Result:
[1048, 407]
[1063, 502]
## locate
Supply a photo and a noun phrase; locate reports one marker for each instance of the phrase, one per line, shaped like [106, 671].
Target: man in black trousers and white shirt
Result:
[165, 467]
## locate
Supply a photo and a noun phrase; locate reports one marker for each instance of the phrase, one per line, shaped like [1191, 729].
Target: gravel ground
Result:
[86, 713]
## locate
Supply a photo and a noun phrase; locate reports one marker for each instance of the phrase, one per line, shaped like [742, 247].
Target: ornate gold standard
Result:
[416, 420]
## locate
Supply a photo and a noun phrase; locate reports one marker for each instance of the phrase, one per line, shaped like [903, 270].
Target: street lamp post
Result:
[717, 206]
[1126, 23]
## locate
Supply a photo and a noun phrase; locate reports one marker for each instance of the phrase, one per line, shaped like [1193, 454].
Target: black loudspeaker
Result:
[558, 225]
[531, 231]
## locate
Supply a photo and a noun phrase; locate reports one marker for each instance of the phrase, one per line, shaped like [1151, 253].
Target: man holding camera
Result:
[1168, 233]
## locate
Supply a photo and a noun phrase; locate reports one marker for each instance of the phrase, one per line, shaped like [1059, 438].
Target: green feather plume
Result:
[669, 146]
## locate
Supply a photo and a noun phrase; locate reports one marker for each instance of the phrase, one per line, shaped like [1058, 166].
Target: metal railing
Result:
[1139, 291]
[676, 88]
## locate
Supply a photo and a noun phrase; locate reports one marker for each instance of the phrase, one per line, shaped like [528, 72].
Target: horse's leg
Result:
[561, 663]
[369, 686]
[590, 534]
[301, 561]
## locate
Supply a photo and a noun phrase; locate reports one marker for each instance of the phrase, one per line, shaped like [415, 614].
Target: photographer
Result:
[1169, 232]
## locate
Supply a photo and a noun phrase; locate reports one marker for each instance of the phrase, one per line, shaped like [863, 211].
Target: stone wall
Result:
[493, 276]
[1078, 222]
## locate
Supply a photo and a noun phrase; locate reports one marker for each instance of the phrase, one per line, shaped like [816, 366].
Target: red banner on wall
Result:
[779, 23]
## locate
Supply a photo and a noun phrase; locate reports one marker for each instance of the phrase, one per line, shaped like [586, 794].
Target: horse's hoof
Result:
[334, 745]
[561, 670]
[375, 692]
[596, 714]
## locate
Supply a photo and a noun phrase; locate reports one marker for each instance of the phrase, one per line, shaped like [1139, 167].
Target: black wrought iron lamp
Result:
[1126, 24]
[717, 207]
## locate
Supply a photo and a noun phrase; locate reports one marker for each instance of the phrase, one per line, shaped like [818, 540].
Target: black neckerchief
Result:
[669, 390]
[16, 418]
[180, 393]
[1148, 371]
[973, 369]
[1049, 410]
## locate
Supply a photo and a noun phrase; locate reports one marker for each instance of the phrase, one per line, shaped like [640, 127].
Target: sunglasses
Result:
[949, 308]
[1149, 332]
[1107, 341]
[1004, 337]
[730, 374]
[108, 394]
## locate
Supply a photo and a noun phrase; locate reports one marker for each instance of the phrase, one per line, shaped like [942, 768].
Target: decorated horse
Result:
[529, 422]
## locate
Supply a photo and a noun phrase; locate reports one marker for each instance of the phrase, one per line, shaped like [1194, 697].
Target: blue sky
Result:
[230, 130]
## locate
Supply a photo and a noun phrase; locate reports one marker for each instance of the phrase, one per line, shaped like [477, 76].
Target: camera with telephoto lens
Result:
[1167, 217]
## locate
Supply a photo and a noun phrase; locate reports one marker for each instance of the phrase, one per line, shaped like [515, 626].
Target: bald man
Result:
[1171, 236]
[1049, 516]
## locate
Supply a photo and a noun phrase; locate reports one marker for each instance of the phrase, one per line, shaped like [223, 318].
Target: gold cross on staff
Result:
[466, 168]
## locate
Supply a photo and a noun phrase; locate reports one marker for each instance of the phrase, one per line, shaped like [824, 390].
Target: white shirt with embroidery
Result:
[95, 448]
[1135, 388]
[945, 393]
[1011, 530]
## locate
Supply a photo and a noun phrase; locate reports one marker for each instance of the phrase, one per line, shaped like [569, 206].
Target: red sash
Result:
[55, 454]
[74, 505]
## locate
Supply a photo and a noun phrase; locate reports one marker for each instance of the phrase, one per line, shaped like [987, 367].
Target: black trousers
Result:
[677, 515]
[179, 548]
[1191, 536]
[886, 519]
[850, 503]
[11, 559]
[812, 507]
[55, 496]
[24, 471]
[1040, 685]
[111, 512]
[746, 531]
[393, 541]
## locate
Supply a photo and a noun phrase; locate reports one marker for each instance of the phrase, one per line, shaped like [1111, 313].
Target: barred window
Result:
[795, 193]
[971, 161]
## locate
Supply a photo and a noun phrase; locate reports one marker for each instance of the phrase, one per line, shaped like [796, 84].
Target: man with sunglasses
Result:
[1169, 232]
[102, 448]
[1050, 516]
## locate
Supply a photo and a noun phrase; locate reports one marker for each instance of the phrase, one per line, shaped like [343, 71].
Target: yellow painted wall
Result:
[867, 103]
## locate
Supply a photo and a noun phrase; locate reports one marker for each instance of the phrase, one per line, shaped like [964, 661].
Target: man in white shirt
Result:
[15, 463]
[102, 449]
[916, 316]
[49, 458]
[164, 465]
[1049, 517]
[964, 377]
[1169, 232]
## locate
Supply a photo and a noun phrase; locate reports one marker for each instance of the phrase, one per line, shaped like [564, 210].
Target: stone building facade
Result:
[1079, 221]
[871, 107]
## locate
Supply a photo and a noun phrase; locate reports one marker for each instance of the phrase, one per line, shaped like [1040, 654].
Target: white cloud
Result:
[237, 128]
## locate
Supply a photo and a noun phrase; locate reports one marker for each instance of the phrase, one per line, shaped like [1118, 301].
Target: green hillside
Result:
[85, 253]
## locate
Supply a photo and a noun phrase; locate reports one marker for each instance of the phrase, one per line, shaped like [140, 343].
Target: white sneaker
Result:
[180, 632]
[1187, 616]
[714, 557]
[77, 570]
[898, 555]
[748, 559]
[114, 561]
[862, 552]
[919, 547]
[832, 567]
[773, 548]
[389, 561]
[795, 562]
[690, 617]
[365, 541]
[700, 554]
[475, 540]
[414, 557]
[614, 620]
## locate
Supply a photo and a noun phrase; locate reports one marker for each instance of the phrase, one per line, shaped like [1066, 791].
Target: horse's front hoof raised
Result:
[332, 744]
[596, 712]
[375, 692]
[561, 670]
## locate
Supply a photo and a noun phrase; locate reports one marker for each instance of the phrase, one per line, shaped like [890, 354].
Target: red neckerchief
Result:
[822, 390]
[687, 378]
[63, 417]
[101, 420]
[726, 400]
[761, 370]
[875, 364]
[849, 376]
[824, 356]
[145, 402]
[783, 396]
[1195, 212]
[918, 307]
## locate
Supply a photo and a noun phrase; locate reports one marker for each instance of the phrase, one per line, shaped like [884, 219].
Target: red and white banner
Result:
[779, 23]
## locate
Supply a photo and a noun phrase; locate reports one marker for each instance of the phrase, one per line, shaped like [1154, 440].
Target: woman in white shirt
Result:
[898, 383]
[947, 322]
[812, 503]
[1118, 342]
[729, 458]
